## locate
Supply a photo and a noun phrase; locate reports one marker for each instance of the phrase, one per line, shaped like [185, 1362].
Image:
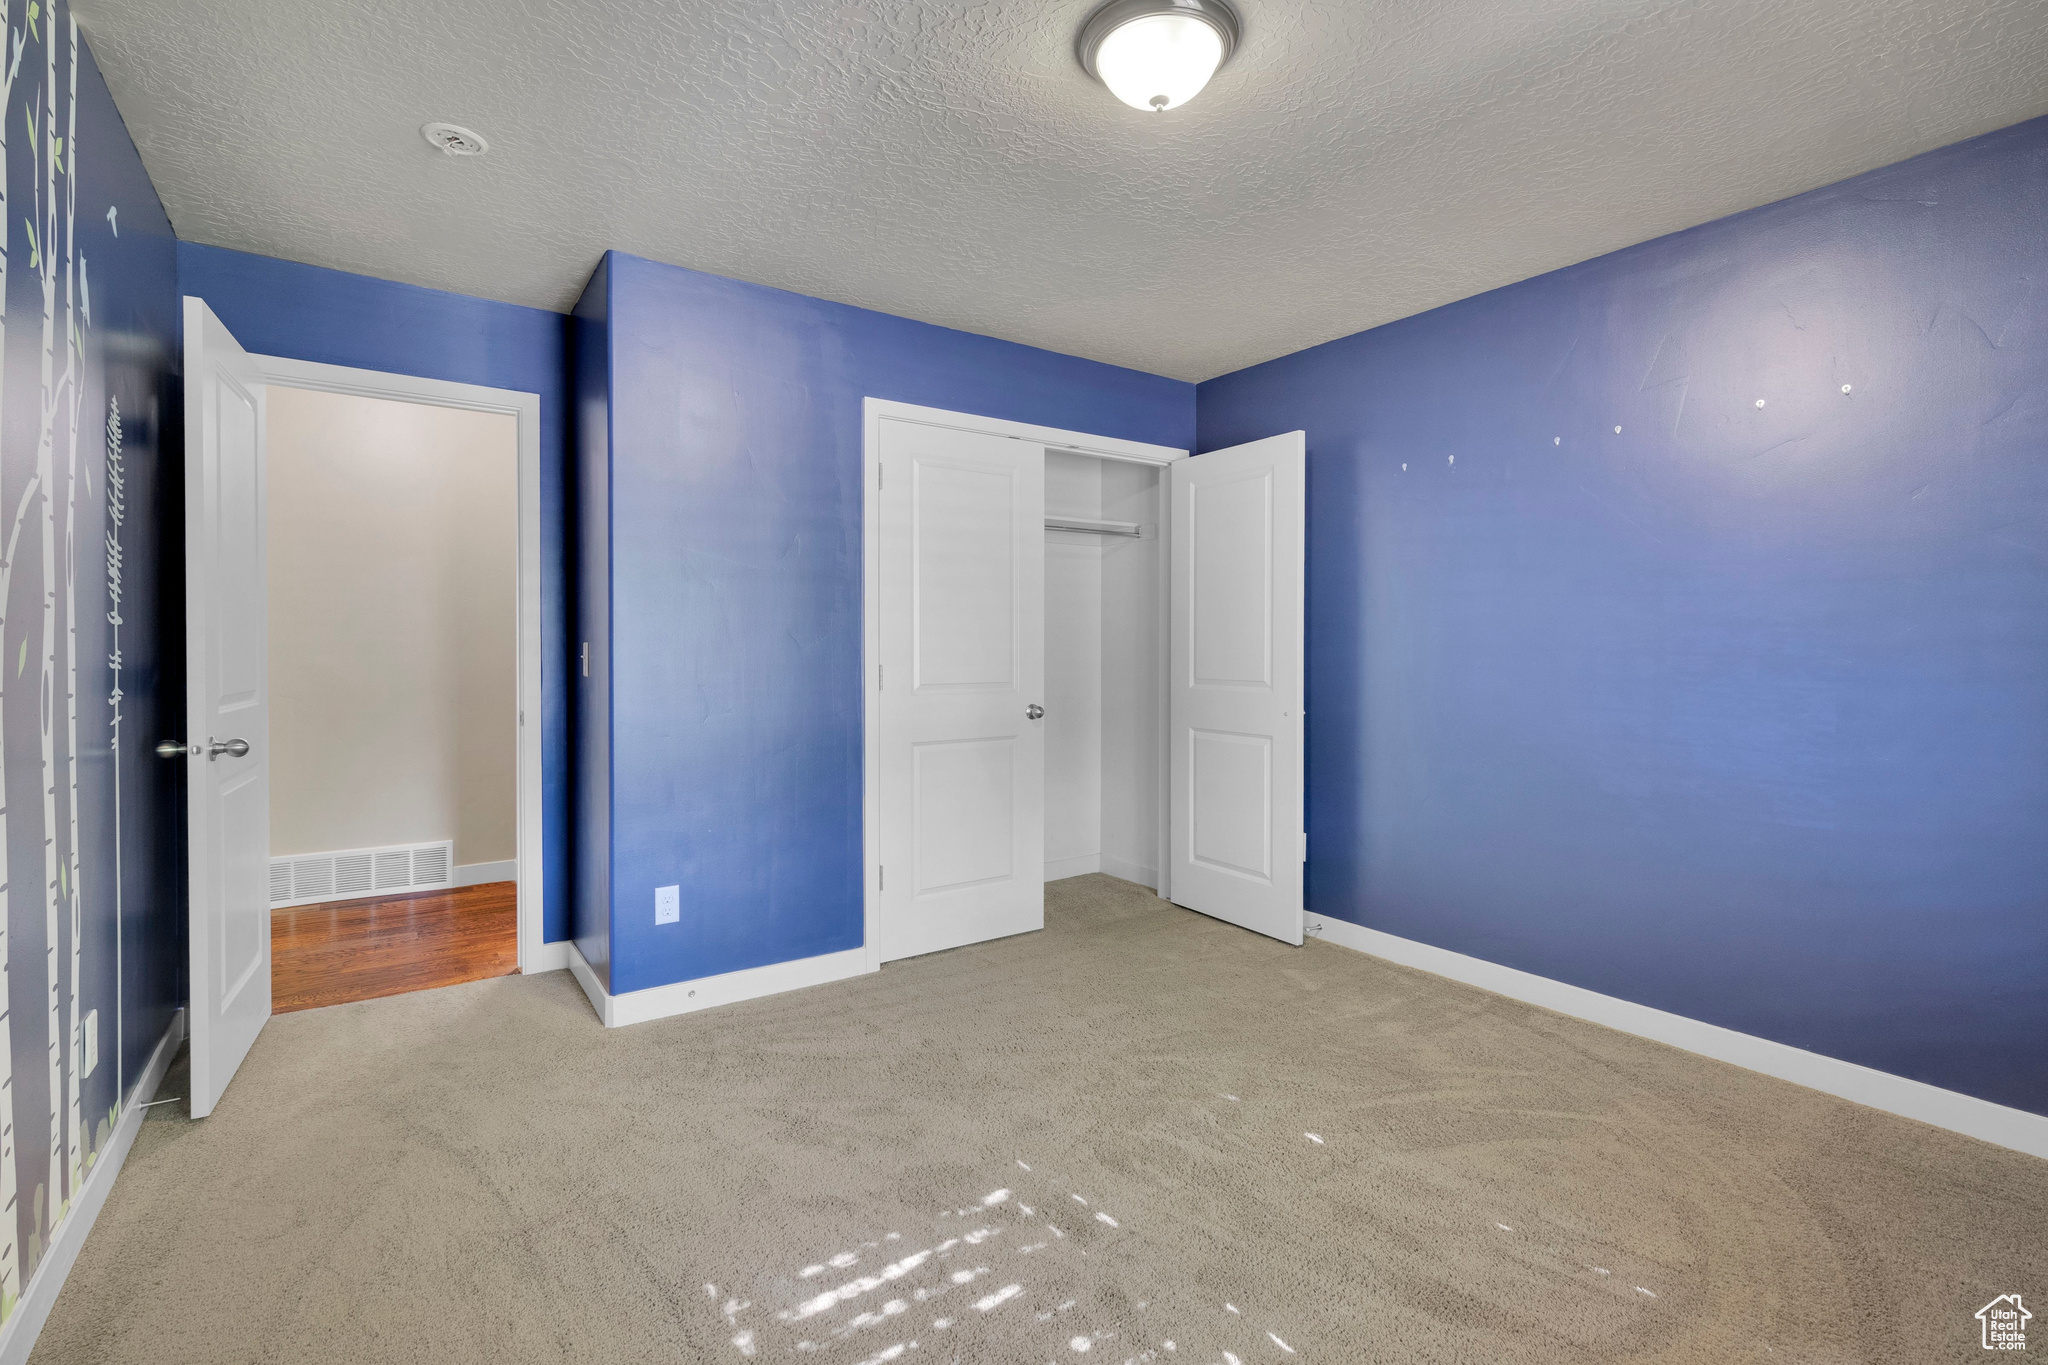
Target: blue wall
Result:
[304, 312]
[1740, 712]
[735, 555]
[91, 900]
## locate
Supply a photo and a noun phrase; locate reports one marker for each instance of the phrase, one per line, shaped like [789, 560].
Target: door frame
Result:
[534, 954]
[873, 412]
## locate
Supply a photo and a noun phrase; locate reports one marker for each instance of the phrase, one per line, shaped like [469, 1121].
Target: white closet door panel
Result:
[1230, 802]
[965, 609]
[1235, 683]
[961, 656]
[964, 797]
[1230, 554]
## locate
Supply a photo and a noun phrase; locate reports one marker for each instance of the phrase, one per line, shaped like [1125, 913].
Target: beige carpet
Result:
[1140, 1135]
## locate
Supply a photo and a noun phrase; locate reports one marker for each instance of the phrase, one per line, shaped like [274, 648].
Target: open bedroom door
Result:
[1235, 840]
[227, 704]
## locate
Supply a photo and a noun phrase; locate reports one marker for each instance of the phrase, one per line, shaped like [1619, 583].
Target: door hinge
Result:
[881, 877]
[878, 677]
[878, 477]
[586, 658]
[1304, 845]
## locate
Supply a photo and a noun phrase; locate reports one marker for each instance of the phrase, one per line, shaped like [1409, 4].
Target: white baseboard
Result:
[1059, 869]
[1131, 872]
[550, 957]
[706, 992]
[476, 874]
[1929, 1104]
[18, 1334]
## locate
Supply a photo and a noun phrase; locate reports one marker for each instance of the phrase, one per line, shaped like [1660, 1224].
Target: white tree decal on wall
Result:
[117, 514]
[74, 389]
[52, 238]
[45, 240]
[10, 1213]
[49, 150]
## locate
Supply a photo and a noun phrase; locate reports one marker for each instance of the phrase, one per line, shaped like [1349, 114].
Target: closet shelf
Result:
[1100, 528]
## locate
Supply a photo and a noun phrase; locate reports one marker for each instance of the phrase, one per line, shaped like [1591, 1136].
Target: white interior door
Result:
[960, 667]
[1235, 684]
[227, 703]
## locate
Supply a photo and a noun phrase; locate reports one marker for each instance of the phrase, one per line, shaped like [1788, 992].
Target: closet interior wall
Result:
[1104, 671]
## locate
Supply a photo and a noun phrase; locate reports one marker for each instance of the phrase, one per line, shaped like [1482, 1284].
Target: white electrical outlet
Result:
[92, 1041]
[668, 904]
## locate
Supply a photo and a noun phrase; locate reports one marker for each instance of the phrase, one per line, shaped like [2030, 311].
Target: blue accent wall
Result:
[92, 925]
[304, 312]
[735, 554]
[1735, 710]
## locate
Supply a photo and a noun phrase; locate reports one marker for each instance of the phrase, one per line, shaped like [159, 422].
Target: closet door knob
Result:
[1034, 712]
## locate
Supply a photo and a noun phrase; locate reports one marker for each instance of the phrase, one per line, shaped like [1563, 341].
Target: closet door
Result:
[961, 755]
[1234, 689]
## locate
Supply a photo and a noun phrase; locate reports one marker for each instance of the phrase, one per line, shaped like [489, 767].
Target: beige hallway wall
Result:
[393, 615]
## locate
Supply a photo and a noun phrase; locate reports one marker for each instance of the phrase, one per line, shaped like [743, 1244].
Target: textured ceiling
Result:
[1356, 162]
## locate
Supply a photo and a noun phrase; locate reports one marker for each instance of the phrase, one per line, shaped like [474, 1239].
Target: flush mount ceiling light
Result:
[1157, 55]
[454, 139]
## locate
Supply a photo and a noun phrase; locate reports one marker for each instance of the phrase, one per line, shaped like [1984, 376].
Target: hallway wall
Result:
[394, 614]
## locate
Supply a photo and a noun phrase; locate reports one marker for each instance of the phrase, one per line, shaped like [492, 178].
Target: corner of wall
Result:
[590, 643]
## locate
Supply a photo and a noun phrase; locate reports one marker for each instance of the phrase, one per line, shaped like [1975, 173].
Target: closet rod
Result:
[1100, 528]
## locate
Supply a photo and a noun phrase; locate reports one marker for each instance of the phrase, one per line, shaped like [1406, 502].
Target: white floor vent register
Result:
[308, 878]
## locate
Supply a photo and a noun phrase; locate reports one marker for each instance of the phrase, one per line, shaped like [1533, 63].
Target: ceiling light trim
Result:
[1117, 13]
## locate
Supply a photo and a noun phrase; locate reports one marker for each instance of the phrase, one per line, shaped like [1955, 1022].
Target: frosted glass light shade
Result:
[1156, 55]
[1160, 61]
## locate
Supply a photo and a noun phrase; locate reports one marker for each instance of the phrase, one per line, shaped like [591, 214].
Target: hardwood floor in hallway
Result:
[361, 949]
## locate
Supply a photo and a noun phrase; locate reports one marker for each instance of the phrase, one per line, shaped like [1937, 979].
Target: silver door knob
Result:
[1034, 712]
[175, 748]
[233, 748]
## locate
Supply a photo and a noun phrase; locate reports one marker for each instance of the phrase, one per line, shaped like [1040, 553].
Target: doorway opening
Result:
[393, 557]
[1105, 667]
[1083, 655]
[233, 885]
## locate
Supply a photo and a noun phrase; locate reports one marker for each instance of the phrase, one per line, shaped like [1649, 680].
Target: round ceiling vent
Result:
[454, 139]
